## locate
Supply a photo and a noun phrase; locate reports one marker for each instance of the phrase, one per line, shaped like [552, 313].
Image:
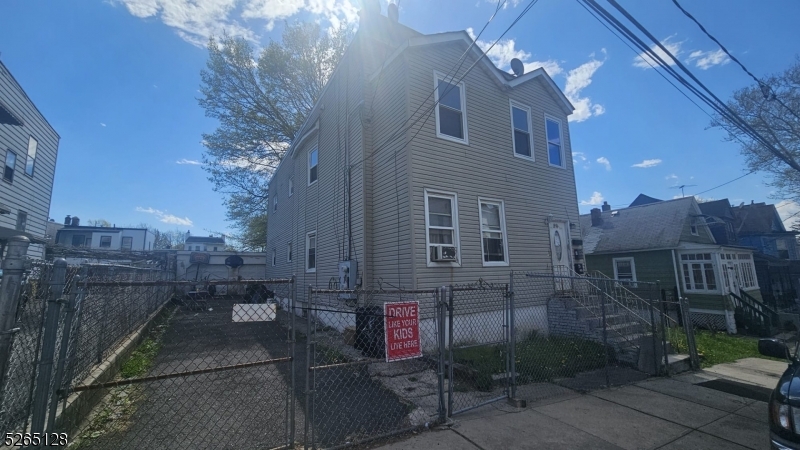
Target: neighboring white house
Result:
[204, 243]
[28, 151]
[104, 238]
[253, 265]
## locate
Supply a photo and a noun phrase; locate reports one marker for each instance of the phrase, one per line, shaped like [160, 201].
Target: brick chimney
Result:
[606, 206]
[597, 220]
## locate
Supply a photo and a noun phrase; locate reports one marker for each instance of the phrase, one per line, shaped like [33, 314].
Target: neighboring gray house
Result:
[28, 150]
[413, 196]
[73, 234]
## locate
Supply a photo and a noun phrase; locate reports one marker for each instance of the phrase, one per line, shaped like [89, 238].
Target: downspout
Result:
[675, 270]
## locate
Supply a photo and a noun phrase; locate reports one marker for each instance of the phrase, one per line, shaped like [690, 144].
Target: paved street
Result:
[659, 413]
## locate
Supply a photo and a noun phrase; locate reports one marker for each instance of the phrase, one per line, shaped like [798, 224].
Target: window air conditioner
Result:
[443, 253]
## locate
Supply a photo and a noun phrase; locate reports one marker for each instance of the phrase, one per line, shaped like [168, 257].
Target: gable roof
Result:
[717, 208]
[647, 227]
[642, 199]
[502, 78]
[757, 218]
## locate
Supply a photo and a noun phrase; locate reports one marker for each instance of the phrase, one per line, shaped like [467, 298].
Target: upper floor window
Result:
[521, 125]
[22, 220]
[11, 164]
[289, 253]
[105, 241]
[127, 242]
[451, 117]
[441, 223]
[274, 257]
[312, 166]
[693, 230]
[493, 233]
[291, 186]
[78, 240]
[275, 202]
[555, 148]
[31, 161]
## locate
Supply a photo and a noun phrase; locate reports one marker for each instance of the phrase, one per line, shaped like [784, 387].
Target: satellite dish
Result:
[393, 12]
[517, 67]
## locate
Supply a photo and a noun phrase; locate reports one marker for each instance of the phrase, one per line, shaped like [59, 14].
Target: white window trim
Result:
[511, 105]
[316, 254]
[289, 252]
[715, 266]
[274, 257]
[308, 166]
[28, 156]
[456, 235]
[547, 141]
[436, 77]
[633, 268]
[502, 206]
[693, 230]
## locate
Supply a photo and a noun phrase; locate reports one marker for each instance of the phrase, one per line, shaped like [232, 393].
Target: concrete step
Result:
[679, 363]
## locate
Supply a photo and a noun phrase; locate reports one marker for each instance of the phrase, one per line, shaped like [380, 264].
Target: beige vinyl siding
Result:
[389, 228]
[532, 191]
[29, 194]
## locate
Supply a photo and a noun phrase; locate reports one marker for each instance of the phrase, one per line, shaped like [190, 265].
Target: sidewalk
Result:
[659, 413]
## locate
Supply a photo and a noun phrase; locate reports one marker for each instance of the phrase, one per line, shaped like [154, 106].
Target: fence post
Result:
[603, 287]
[654, 336]
[81, 287]
[441, 309]
[663, 313]
[13, 266]
[309, 371]
[62, 353]
[292, 342]
[512, 328]
[451, 344]
[42, 390]
[689, 329]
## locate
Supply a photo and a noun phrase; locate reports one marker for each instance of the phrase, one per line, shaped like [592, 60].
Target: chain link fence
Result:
[353, 394]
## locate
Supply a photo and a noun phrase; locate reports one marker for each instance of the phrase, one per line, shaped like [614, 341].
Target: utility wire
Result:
[769, 94]
[725, 183]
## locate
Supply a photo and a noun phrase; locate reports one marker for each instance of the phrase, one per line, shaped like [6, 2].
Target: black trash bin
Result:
[369, 332]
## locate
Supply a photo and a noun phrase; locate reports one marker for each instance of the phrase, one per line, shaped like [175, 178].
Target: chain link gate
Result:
[213, 367]
[480, 355]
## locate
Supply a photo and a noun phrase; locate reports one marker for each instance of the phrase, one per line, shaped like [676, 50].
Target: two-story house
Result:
[422, 164]
[73, 234]
[204, 243]
[28, 150]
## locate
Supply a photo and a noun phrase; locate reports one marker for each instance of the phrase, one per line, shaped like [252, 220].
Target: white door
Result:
[560, 254]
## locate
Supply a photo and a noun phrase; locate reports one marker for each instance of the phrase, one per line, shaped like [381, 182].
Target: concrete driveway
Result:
[659, 413]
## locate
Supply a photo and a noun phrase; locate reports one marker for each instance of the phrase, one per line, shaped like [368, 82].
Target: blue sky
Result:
[118, 80]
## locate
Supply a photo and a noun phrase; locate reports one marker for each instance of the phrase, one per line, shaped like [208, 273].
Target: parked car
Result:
[784, 402]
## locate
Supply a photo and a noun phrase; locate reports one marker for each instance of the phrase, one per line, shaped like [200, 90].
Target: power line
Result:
[725, 183]
[766, 90]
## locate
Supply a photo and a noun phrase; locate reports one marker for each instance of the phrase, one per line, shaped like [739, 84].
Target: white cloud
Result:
[197, 20]
[578, 156]
[596, 199]
[645, 61]
[647, 163]
[789, 211]
[577, 80]
[102, 124]
[189, 161]
[166, 218]
[604, 161]
[671, 177]
[505, 50]
[706, 60]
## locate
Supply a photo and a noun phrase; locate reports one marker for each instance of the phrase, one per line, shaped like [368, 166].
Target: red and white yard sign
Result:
[401, 326]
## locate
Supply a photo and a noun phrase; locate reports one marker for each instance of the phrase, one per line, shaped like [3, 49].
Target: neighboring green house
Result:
[669, 242]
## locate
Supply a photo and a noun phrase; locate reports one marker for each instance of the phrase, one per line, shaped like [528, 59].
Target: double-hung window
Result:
[11, 164]
[105, 241]
[274, 257]
[275, 202]
[31, 161]
[493, 233]
[291, 186]
[441, 227]
[127, 243]
[22, 220]
[698, 272]
[451, 117]
[555, 147]
[311, 252]
[521, 127]
[78, 240]
[624, 269]
[313, 156]
[289, 252]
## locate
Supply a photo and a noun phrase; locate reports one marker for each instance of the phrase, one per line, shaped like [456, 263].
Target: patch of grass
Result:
[717, 347]
[537, 359]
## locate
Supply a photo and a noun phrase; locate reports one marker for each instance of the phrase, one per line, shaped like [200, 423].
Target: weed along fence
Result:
[123, 357]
